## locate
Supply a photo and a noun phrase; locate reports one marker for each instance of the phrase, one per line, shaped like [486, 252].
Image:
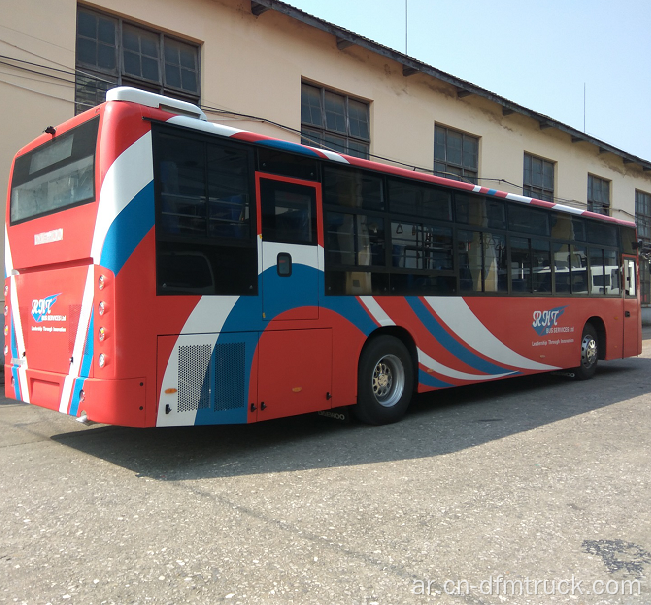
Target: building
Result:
[269, 67]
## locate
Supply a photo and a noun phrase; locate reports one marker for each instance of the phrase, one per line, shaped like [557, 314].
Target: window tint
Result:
[480, 211]
[356, 283]
[570, 269]
[228, 199]
[578, 269]
[352, 188]
[520, 265]
[418, 284]
[419, 200]
[604, 272]
[541, 266]
[565, 226]
[204, 240]
[288, 212]
[355, 239]
[602, 233]
[57, 175]
[530, 266]
[182, 170]
[528, 220]
[562, 268]
[629, 240]
[274, 161]
[482, 262]
[418, 246]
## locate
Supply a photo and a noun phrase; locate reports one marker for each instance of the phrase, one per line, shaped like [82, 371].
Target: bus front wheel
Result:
[589, 353]
[385, 381]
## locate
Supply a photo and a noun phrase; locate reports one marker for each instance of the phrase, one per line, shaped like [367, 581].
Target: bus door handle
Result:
[627, 313]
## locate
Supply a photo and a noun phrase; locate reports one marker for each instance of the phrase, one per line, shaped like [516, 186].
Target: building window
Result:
[645, 282]
[643, 220]
[538, 180]
[334, 121]
[643, 215]
[598, 195]
[456, 155]
[112, 52]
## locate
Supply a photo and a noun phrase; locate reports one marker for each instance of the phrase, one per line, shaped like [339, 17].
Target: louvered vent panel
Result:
[229, 376]
[194, 378]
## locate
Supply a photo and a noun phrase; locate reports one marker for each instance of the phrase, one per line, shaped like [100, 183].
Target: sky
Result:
[540, 54]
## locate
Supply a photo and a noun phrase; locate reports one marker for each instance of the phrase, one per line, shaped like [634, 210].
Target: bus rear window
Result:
[56, 175]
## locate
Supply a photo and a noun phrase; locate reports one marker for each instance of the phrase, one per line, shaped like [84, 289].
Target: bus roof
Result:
[191, 116]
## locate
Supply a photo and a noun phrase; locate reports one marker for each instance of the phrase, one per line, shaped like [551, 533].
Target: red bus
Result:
[162, 270]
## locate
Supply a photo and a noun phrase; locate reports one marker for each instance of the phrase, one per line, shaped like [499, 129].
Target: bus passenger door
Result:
[632, 318]
[294, 355]
[287, 211]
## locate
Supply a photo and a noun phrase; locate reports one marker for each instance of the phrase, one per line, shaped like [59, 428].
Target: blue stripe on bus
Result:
[84, 370]
[128, 229]
[14, 355]
[431, 381]
[76, 389]
[87, 355]
[287, 146]
[452, 345]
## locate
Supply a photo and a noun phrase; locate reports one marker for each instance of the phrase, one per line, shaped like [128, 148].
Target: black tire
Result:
[589, 354]
[385, 381]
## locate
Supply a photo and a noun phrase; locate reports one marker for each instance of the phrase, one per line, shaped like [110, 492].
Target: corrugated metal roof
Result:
[411, 66]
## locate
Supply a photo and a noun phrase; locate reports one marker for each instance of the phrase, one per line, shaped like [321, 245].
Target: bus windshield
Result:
[56, 175]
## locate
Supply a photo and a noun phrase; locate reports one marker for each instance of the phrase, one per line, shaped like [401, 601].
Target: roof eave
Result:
[345, 38]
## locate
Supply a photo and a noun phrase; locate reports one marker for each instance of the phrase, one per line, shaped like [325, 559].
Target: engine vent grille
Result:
[229, 376]
[194, 378]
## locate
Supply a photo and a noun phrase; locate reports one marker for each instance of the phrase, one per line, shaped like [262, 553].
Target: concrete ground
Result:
[490, 494]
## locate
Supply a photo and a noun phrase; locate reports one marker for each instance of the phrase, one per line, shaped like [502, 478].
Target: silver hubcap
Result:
[588, 351]
[388, 381]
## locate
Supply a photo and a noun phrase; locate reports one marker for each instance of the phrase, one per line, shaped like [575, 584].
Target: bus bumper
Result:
[118, 402]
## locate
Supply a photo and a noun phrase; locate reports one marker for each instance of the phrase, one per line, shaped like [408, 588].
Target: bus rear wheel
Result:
[385, 381]
[589, 353]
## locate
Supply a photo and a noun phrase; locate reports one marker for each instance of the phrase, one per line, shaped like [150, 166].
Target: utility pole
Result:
[405, 26]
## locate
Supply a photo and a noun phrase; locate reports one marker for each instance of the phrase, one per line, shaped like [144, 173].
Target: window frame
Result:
[467, 172]
[168, 242]
[102, 79]
[643, 221]
[529, 188]
[594, 205]
[643, 215]
[309, 129]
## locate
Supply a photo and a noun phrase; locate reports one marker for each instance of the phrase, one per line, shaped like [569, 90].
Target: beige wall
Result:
[255, 66]
[30, 102]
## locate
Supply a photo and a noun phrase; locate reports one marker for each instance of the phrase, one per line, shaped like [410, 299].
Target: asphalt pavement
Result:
[530, 490]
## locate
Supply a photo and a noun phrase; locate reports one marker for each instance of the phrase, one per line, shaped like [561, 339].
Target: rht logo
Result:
[41, 306]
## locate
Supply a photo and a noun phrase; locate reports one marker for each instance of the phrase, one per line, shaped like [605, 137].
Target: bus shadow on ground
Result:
[437, 423]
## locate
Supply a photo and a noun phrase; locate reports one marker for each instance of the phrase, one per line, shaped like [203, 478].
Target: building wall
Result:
[255, 66]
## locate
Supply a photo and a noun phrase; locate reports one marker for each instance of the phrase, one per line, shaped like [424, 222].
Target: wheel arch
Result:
[403, 336]
[598, 324]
